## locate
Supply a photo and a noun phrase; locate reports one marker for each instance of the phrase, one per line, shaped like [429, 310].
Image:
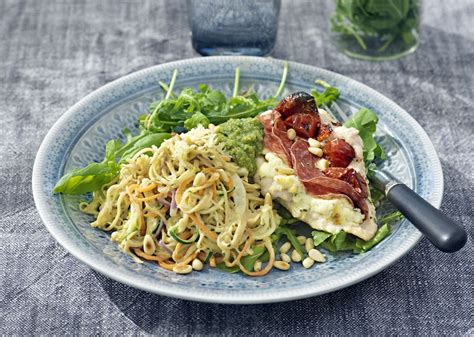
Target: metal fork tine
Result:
[341, 113]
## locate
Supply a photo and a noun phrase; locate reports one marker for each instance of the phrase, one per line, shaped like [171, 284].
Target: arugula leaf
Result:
[180, 110]
[248, 261]
[391, 217]
[329, 95]
[232, 270]
[364, 19]
[319, 237]
[362, 246]
[365, 121]
[343, 241]
[339, 242]
[196, 119]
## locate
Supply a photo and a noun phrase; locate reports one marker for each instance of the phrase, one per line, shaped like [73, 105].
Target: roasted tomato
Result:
[338, 152]
[350, 176]
[324, 132]
[306, 125]
[298, 102]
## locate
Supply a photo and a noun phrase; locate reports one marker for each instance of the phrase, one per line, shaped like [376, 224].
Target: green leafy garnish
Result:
[247, 261]
[391, 217]
[343, 241]
[92, 177]
[319, 237]
[87, 179]
[365, 121]
[291, 236]
[196, 119]
[340, 241]
[210, 106]
[362, 246]
[329, 95]
[139, 143]
[363, 20]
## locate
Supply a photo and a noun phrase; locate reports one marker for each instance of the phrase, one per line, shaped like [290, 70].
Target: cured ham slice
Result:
[316, 182]
[294, 152]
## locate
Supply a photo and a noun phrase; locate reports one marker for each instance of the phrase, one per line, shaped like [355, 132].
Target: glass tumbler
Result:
[233, 27]
[376, 29]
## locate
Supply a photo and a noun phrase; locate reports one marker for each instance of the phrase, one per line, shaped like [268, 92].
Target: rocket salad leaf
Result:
[362, 19]
[329, 95]
[365, 121]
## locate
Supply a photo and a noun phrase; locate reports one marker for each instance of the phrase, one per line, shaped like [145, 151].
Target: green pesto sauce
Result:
[243, 141]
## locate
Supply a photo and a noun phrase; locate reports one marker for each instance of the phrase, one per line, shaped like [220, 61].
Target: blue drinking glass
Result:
[233, 27]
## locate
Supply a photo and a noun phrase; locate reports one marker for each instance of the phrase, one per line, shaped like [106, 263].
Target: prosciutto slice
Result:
[275, 139]
[296, 155]
[316, 182]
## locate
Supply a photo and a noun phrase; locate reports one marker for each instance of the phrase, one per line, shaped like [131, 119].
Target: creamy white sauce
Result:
[351, 136]
[327, 214]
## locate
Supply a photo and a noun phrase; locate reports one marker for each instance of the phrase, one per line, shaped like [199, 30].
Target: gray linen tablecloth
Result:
[52, 53]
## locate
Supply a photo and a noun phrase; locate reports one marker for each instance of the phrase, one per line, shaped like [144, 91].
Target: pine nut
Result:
[308, 262]
[313, 142]
[309, 244]
[197, 264]
[301, 239]
[212, 261]
[285, 257]
[149, 245]
[268, 199]
[199, 179]
[257, 266]
[291, 134]
[182, 269]
[322, 164]
[316, 151]
[281, 265]
[285, 170]
[285, 247]
[295, 256]
[316, 255]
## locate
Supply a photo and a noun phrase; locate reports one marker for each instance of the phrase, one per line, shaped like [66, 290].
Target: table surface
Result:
[52, 53]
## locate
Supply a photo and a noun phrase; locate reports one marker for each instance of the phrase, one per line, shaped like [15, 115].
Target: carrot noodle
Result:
[186, 186]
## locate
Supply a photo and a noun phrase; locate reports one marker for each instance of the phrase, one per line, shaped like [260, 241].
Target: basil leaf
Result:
[143, 142]
[87, 179]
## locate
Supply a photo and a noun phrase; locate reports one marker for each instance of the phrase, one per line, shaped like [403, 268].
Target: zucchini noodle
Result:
[186, 200]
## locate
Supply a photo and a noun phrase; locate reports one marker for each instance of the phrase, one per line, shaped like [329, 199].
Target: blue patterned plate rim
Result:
[45, 202]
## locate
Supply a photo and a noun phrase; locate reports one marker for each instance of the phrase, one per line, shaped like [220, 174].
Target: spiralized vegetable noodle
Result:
[186, 200]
